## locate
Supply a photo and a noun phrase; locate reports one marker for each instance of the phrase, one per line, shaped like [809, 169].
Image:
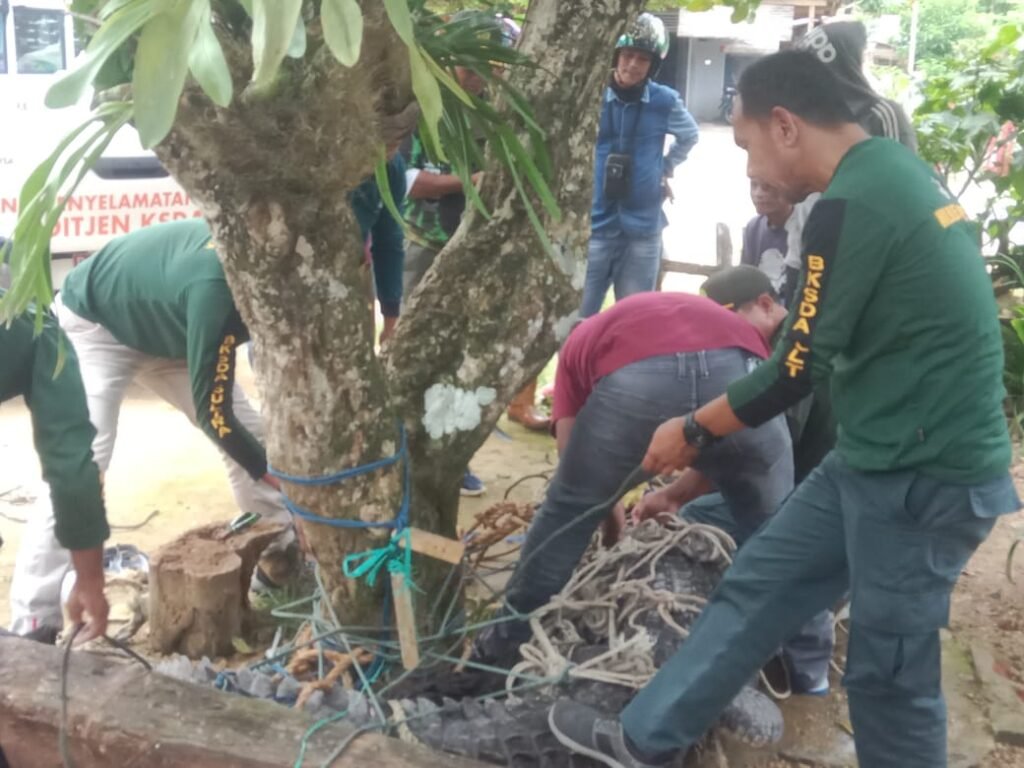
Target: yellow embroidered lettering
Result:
[795, 363]
[950, 214]
[802, 325]
[815, 264]
[217, 397]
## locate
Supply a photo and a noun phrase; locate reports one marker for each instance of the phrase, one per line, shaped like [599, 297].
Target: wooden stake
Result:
[406, 621]
[430, 544]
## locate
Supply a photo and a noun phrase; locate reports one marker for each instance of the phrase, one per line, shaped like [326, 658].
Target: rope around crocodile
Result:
[608, 594]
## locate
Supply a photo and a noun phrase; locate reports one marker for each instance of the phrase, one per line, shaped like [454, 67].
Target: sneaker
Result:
[805, 685]
[586, 732]
[124, 557]
[261, 584]
[472, 485]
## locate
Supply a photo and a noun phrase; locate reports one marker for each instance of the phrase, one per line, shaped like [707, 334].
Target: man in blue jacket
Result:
[632, 168]
[384, 237]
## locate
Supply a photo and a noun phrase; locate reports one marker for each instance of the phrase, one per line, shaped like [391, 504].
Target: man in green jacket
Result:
[63, 439]
[894, 309]
[153, 307]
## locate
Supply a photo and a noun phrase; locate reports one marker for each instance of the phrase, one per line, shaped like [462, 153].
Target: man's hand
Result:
[655, 505]
[272, 481]
[666, 502]
[668, 449]
[666, 190]
[87, 604]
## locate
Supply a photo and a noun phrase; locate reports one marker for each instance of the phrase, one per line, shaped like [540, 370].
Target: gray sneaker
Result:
[586, 732]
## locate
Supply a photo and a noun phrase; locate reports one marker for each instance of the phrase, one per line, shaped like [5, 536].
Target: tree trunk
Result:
[494, 306]
[273, 177]
[118, 714]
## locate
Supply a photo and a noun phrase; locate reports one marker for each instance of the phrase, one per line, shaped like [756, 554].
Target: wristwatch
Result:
[696, 434]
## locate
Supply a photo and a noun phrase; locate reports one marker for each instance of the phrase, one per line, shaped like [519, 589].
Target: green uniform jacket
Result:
[162, 291]
[894, 309]
[60, 424]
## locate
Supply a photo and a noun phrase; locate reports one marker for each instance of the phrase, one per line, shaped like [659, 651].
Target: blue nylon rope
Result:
[401, 520]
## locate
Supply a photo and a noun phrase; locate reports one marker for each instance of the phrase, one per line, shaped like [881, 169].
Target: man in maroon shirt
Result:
[621, 373]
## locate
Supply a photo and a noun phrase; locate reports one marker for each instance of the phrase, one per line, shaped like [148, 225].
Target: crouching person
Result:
[619, 373]
[63, 439]
[154, 307]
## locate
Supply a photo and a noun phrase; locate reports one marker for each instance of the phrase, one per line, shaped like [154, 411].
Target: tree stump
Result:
[199, 586]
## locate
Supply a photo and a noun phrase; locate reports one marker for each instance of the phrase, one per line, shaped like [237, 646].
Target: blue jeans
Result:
[629, 262]
[897, 541]
[753, 468]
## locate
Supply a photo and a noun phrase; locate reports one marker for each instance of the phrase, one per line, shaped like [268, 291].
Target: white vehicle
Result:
[126, 190]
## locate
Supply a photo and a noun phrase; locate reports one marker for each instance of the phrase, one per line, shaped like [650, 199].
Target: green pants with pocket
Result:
[897, 542]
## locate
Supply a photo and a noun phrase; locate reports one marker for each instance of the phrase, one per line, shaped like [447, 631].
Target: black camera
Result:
[616, 176]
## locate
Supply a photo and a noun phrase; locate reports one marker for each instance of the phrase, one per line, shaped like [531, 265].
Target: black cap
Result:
[735, 286]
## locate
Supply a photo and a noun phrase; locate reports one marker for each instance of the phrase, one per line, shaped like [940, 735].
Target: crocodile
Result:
[629, 606]
[679, 567]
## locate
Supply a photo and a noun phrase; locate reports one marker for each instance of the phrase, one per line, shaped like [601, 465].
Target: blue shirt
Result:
[387, 246]
[639, 129]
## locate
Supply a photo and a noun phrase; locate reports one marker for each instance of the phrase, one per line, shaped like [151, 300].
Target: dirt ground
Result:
[163, 464]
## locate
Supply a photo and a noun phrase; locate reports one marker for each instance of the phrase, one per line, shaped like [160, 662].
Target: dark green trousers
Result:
[897, 542]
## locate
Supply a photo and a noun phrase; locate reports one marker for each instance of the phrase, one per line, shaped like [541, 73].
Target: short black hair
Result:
[796, 81]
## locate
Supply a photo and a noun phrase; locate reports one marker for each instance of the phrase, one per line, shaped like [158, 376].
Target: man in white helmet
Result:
[632, 168]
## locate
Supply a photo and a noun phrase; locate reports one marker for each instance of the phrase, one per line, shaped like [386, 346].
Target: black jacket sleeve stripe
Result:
[794, 359]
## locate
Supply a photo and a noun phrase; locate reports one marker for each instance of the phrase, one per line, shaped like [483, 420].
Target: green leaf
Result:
[428, 92]
[380, 173]
[41, 203]
[121, 25]
[161, 65]
[1005, 37]
[519, 104]
[112, 7]
[208, 66]
[741, 12]
[520, 156]
[447, 80]
[273, 24]
[297, 46]
[401, 20]
[531, 214]
[342, 21]
[1018, 328]
[37, 179]
[465, 152]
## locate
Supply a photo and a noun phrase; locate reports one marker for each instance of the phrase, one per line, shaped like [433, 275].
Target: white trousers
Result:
[108, 368]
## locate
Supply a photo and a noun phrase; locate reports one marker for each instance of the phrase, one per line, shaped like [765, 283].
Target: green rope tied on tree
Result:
[396, 556]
